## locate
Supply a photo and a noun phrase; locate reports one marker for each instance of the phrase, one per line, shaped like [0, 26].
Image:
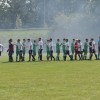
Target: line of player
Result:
[73, 50]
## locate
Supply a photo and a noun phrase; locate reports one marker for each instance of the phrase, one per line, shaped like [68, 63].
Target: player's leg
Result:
[33, 56]
[91, 53]
[0, 53]
[30, 55]
[76, 53]
[94, 51]
[53, 56]
[98, 52]
[79, 55]
[11, 56]
[47, 55]
[41, 54]
[17, 55]
[57, 56]
[23, 55]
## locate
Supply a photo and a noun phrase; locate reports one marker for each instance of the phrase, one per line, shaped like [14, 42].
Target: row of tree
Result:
[41, 13]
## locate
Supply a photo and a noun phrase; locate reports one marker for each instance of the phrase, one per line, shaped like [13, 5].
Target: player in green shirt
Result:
[34, 50]
[64, 49]
[58, 49]
[86, 45]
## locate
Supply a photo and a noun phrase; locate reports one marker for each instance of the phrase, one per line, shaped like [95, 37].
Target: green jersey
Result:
[72, 46]
[48, 49]
[34, 47]
[57, 47]
[24, 46]
[86, 46]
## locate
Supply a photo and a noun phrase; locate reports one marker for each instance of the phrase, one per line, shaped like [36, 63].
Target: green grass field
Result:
[70, 80]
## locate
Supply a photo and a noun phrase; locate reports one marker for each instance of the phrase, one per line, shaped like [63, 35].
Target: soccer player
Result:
[80, 50]
[73, 47]
[1, 48]
[24, 48]
[76, 49]
[34, 50]
[48, 49]
[90, 49]
[40, 49]
[64, 49]
[86, 45]
[10, 50]
[94, 48]
[29, 46]
[19, 51]
[51, 50]
[99, 48]
[68, 48]
[58, 49]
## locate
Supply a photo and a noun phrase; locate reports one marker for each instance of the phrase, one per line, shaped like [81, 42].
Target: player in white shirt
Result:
[40, 49]
[80, 50]
[29, 46]
[1, 48]
[51, 50]
[94, 48]
[18, 50]
[68, 48]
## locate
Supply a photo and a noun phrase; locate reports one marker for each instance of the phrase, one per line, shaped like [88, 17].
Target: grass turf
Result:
[76, 80]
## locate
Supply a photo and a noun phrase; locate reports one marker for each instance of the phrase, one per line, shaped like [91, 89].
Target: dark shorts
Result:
[40, 51]
[94, 51]
[0, 53]
[79, 52]
[90, 50]
[20, 53]
[10, 53]
[67, 52]
[51, 52]
[30, 52]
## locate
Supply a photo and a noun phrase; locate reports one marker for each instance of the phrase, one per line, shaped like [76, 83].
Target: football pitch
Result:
[70, 80]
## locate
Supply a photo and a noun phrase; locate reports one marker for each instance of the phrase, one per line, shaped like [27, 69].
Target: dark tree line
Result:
[40, 13]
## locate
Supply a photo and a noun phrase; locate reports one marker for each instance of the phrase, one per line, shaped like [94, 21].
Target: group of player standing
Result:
[73, 50]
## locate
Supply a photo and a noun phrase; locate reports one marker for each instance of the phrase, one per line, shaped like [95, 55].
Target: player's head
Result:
[50, 39]
[92, 39]
[86, 40]
[39, 39]
[28, 40]
[18, 40]
[34, 41]
[76, 40]
[79, 41]
[73, 40]
[10, 40]
[58, 40]
[24, 40]
[64, 39]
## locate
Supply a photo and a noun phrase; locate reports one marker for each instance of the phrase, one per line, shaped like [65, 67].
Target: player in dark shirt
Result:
[10, 51]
